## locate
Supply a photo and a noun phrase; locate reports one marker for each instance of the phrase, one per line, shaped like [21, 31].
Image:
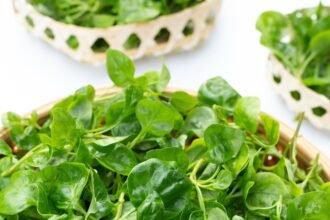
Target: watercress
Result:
[106, 13]
[143, 153]
[301, 41]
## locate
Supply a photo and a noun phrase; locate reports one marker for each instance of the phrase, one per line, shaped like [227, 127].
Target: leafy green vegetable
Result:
[106, 13]
[146, 154]
[300, 40]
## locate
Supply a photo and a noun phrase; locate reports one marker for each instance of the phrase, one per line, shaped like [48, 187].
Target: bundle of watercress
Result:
[143, 153]
[106, 13]
[301, 41]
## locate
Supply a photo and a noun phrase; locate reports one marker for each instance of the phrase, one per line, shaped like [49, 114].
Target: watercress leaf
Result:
[103, 20]
[217, 91]
[320, 44]
[223, 180]
[246, 113]
[120, 68]
[4, 148]
[183, 101]
[224, 142]
[11, 119]
[155, 117]
[25, 138]
[164, 178]
[271, 128]
[262, 194]
[164, 78]
[63, 128]
[196, 150]
[311, 205]
[101, 204]
[272, 22]
[237, 164]
[108, 141]
[137, 10]
[20, 194]
[119, 159]
[217, 213]
[199, 119]
[63, 185]
[170, 154]
[152, 208]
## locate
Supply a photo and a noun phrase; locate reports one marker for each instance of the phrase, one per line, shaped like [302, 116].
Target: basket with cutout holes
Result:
[183, 30]
[305, 150]
[298, 97]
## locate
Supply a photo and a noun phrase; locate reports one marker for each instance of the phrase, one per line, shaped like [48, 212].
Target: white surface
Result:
[32, 73]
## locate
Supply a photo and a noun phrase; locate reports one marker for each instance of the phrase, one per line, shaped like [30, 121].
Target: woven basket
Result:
[306, 151]
[200, 19]
[299, 97]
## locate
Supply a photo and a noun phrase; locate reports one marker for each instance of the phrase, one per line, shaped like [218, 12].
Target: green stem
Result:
[127, 214]
[198, 190]
[202, 182]
[12, 169]
[311, 172]
[120, 206]
[137, 139]
[301, 71]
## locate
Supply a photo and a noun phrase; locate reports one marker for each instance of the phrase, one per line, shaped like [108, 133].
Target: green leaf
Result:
[262, 194]
[182, 101]
[101, 205]
[155, 117]
[217, 213]
[199, 119]
[20, 194]
[120, 68]
[272, 129]
[119, 159]
[164, 178]
[320, 44]
[312, 205]
[152, 208]
[5, 149]
[63, 128]
[108, 141]
[218, 91]
[11, 119]
[61, 187]
[246, 113]
[224, 142]
[170, 154]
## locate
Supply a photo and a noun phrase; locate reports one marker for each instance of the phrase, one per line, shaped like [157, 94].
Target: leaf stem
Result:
[198, 190]
[12, 169]
[136, 139]
[120, 206]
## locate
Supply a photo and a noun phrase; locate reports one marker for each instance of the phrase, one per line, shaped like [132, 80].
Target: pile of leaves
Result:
[106, 13]
[301, 41]
[143, 153]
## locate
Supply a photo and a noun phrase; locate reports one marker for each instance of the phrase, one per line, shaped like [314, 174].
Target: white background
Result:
[32, 73]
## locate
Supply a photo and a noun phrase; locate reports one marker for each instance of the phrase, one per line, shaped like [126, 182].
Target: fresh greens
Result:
[144, 153]
[106, 13]
[301, 41]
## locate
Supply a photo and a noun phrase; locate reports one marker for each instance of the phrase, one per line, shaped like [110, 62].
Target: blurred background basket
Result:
[183, 30]
[298, 97]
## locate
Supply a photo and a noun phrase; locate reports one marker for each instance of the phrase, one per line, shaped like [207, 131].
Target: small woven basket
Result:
[199, 20]
[298, 97]
[305, 150]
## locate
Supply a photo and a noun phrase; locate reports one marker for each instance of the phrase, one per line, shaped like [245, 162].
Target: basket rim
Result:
[82, 28]
[273, 58]
[306, 150]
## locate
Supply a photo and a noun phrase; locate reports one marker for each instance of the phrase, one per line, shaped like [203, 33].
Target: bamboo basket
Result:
[298, 97]
[201, 18]
[306, 151]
